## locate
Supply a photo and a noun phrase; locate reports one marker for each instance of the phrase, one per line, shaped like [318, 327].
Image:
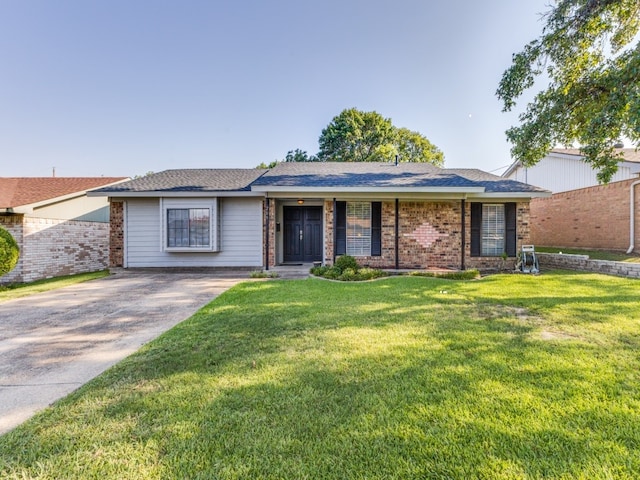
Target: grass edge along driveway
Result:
[13, 291]
[511, 376]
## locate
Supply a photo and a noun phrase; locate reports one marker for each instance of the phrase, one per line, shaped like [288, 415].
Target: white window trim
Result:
[210, 204]
[360, 253]
[483, 233]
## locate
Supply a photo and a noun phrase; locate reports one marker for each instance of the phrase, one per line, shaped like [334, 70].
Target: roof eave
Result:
[512, 168]
[368, 189]
[180, 194]
[69, 196]
[512, 195]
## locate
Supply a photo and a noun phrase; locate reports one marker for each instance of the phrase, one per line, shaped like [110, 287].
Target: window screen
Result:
[492, 230]
[359, 228]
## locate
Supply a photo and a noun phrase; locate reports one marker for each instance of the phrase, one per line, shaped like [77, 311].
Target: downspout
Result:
[463, 231]
[397, 231]
[266, 240]
[632, 217]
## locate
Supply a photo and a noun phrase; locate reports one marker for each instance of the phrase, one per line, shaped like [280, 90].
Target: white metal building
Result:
[564, 169]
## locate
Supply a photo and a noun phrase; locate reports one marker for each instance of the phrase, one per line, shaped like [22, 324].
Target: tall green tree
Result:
[414, 147]
[590, 52]
[357, 136]
[298, 155]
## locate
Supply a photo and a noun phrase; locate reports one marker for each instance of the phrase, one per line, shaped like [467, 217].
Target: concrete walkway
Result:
[54, 342]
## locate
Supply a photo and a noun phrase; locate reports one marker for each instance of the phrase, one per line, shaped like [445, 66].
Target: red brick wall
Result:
[116, 234]
[523, 237]
[328, 233]
[429, 235]
[595, 217]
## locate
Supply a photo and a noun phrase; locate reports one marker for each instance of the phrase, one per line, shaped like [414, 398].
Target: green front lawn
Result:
[507, 377]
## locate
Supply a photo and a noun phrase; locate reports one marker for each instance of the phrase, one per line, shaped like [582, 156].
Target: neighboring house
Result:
[605, 217]
[59, 229]
[565, 169]
[405, 216]
[582, 213]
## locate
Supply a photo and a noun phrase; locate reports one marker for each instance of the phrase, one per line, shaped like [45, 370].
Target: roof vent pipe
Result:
[632, 217]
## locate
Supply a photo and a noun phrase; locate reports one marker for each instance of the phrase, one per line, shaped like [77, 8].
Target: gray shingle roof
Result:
[191, 180]
[365, 174]
[493, 183]
[333, 176]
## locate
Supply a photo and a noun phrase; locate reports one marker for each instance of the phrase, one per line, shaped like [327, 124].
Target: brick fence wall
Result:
[585, 264]
[594, 217]
[51, 248]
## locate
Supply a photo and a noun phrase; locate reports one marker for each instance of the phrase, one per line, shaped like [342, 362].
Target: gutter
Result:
[632, 217]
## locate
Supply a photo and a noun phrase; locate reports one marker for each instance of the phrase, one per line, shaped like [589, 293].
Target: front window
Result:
[492, 230]
[188, 228]
[359, 228]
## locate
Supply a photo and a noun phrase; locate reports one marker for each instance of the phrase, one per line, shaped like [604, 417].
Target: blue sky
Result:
[120, 88]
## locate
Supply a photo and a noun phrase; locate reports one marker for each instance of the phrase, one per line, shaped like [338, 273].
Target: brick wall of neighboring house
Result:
[51, 248]
[116, 234]
[594, 217]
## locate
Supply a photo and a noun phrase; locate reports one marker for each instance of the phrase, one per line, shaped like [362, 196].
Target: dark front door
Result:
[302, 234]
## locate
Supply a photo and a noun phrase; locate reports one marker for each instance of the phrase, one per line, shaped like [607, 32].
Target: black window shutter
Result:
[476, 228]
[376, 229]
[510, 229]
[341, 228]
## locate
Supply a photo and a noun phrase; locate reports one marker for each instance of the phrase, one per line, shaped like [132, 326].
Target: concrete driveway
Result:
[52, 343]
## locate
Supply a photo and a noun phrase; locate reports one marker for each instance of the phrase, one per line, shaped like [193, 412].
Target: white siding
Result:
[240, 236]
[560, 174]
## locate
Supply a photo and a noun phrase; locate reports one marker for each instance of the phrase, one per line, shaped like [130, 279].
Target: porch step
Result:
[292, 271]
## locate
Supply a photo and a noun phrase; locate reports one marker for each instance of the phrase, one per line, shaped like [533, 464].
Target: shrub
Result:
[367, 273]
[348, 275]
[345, 262]
[319, 271]
[9, 252]
[347, 270]
[462, 275]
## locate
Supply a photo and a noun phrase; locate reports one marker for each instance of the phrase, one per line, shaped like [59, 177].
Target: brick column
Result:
[116, 234]
[270, 255]
[328, 231]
